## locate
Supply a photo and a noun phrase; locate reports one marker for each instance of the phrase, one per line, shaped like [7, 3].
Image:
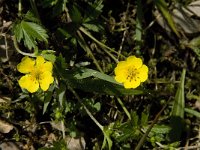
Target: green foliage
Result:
[194, 44]
[85, 39]
[162, 6]
[93, 11]
[75, 15]
[192, 112]
[30, 32]
[130, 130]
[47, 99]
[179, 102]
[107, 139]
[49, 55]
[159, 134]
[177, 114]
[58, 6]
[92, 105]
[30, 17]
[83, 79]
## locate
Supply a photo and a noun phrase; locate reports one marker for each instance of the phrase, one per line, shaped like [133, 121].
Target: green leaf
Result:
[102, 84]
[61, 94]
[92, 26]
[192, 112]
[64, 33]
[134, 118]
[194, 44]
[75, 15]
[127, 131]
[30, 33]
[138, 30]
[58, 6]
[162, 6]
[179, 102]
[91, 105]
[85, 73]
[90, 80]
[47, 98]
[94, 9]
[92, 12]
[160, 129]
[97, 106]
[177, 114]
[144, 118]
[49, 55]
[31, 17]
[60, 61]
[107, 131]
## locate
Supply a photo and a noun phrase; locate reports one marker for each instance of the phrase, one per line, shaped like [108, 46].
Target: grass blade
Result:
[177, 114]
[162, 6]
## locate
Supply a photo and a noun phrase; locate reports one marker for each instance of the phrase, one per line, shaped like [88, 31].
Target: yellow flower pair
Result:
[38, 73]
[131, 72]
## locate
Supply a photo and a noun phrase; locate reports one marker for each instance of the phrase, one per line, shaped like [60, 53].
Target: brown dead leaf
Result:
[185, 17]
[75, 143]
[5, 127]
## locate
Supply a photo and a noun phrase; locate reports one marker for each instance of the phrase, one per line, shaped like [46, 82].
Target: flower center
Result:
[36, 73]
[132, 74]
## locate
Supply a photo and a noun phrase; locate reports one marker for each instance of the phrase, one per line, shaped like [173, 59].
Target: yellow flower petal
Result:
[121, 67]
[121, 64]
[133, 84]
[143, 73]
[29, 83]
[120, 78]
[136, 62]
[40, 61]
[26, 65]
[45, 80]
[48, 66]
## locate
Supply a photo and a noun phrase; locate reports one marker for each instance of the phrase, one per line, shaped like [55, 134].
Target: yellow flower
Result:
[38, 73]
[131, 72]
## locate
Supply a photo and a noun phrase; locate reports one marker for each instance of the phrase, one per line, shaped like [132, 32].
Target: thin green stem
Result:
[34, 8]
[79, 99]
[87, 111]
[63, 128]
[142, 140]
[21, 52]
[124, 108]
[87, 49]
[138, 32]
[125, 31]
[104, 47]
[20, 8]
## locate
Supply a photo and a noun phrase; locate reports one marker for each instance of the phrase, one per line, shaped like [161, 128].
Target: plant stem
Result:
[104, 47]
[63, 128]
[87, 111]
[87, 49]
[124, 108]
[34, 8]
[138, 31]
[21, 52]
[125, 31]
[142, 140]
[20, 8]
